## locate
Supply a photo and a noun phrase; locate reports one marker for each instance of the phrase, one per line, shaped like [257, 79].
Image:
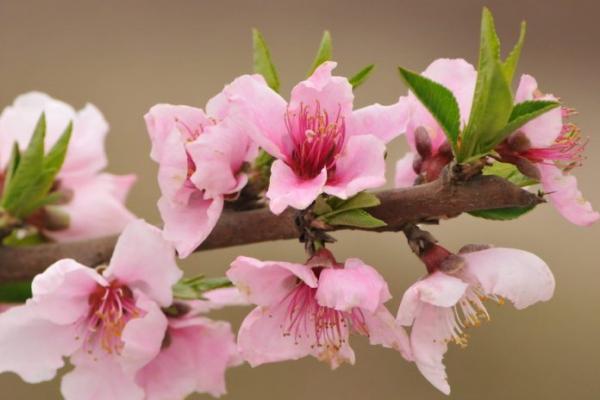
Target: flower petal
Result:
[142, 259]
[267, 282]
[565, 196]
[428, 340]
[217, 299]
[261, 107]
[102, 378]
[287, 189]
[438, 289]
[24, 344]
[383, 122]
[518, 275]
[355, 285]
[385, 331]
[195, 360]
[97, 208]
[187, 226]
[61, 293]
[545, 129]
[360, 166]
[405, 173]
[162, 120]
[333, 94]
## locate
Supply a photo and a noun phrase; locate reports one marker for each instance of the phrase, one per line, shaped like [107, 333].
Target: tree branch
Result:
[441, 199]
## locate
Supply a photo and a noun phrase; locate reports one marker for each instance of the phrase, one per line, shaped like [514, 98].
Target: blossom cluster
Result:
[128, 331]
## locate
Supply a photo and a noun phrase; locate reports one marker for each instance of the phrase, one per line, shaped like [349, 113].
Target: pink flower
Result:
[311, 309]
[547, 148]
[196, 352]
[110, 324]
[429, 149]
[442, 305]
[321, 144]
[201, 158]
[96, 206]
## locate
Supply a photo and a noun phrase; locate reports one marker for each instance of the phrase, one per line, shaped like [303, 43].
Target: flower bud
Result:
[527, 168]
[423, 142]
[519, 142]
[55, 219]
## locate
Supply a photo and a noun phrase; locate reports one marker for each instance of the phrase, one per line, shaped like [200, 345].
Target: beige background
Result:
[125, 56]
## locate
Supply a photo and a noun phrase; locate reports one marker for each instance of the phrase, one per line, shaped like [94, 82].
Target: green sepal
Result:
[262, 60]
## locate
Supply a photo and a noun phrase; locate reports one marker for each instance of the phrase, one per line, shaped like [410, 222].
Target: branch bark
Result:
[440, 199]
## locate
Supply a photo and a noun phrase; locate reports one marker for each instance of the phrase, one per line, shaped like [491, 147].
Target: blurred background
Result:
[125, 56]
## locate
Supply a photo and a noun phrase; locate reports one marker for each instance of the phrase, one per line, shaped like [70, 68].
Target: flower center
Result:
[111, 307]
[566, 151]
[316, 140]
[468, 312]
[325, 326]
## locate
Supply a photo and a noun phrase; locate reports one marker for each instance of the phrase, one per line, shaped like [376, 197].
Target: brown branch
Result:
[436, 200]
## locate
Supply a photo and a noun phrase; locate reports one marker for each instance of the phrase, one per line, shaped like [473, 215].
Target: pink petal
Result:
[385, 331]
[383, 122]
[405, 173]
[218, 155]
[545, 129]
[62, 291]
[360, 166]
[143, 337]
[103, 195]
[100, 379]
[355, 285]
[142, 259]
[428, 339]
[262, 109]
[518, 275]
[438, 289]
[188, 225]
[25, 347]
[173, 169]
[333, 94]
[195, 360]
[564, 195]
[286, 189]
[267, 282]
[162, 120]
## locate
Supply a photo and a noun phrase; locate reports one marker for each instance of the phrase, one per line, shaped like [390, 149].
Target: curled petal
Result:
[355, 285]
[385, 331]
[267, 282]
[287, 189]
[142, 259]
[566, 197]
[360, 166]
[405, 173]
[188, 225]
[518, 275]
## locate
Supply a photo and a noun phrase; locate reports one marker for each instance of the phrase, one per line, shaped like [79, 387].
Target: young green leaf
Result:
[509, 172]
[510, 64]
[502, 214]
[323, 54]
[438, 100]
[361, 76]
[321, 206]
[359, 201]
[358, 218]
[23, 237]
[15, 292]
[11, 168]
[523, 113]
[492, 101]
[262, 60]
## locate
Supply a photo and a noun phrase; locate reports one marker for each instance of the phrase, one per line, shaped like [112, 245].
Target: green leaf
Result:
[523, 113]
[502, 214]
[22, 185]
[492, 101]
[509, 172]
[358, 218]
[439, 101]
[360, 200]
[510, 64]
[361, 76]
[23, 237]
[15, 292]
[321, 206]
[11, 168]
[262, 60]
[323, 54]
[194, 288]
